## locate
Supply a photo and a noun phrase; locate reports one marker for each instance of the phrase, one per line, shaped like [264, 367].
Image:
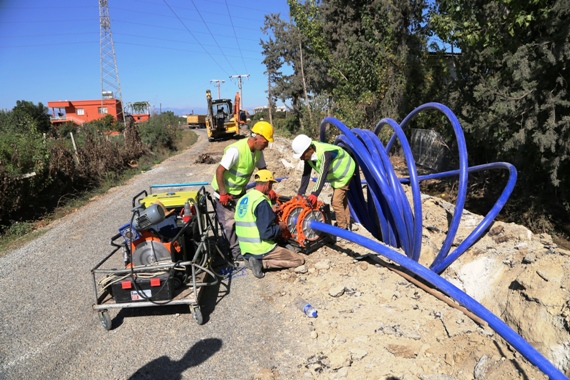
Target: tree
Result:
[280, 50]
[26, 117]
[511, 86]
[29, 116]
[365, 57]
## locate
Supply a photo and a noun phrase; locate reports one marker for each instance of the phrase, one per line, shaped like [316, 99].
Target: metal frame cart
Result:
[167, 250]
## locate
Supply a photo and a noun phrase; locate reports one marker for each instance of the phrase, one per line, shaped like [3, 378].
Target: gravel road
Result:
[49, 330]
[372, 323]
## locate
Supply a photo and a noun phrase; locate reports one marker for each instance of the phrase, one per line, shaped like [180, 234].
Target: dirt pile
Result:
[374, 323]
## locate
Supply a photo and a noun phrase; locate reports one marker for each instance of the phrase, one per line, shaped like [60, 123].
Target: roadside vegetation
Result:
[501, 66]
[46, 172]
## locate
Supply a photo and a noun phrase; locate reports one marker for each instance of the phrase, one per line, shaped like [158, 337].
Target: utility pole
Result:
[218, 82]
[239, 76]
[109, 71]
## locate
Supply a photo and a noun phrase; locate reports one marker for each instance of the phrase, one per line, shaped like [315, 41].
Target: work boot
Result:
[256, 267]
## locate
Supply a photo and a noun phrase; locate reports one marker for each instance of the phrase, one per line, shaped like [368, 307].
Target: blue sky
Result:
[167, 51]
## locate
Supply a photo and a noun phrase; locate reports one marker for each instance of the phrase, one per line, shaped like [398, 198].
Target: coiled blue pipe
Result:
[446, 287]
[386, 213]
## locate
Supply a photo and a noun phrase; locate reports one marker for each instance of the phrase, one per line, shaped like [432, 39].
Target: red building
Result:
[83, 111]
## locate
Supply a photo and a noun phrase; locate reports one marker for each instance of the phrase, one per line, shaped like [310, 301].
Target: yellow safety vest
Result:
[246, 229]
[341, 168]
[237, 177]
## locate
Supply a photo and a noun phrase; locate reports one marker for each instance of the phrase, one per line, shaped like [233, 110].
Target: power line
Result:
[90, 43]
[237, 39]
[216, 41]
[50, 44]
[235, 6]
[47, 35]
[199, 43]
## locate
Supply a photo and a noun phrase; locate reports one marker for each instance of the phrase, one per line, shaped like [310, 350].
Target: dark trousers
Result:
[226, 219]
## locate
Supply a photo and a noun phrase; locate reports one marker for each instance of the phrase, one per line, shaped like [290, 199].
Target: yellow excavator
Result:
[223, 119]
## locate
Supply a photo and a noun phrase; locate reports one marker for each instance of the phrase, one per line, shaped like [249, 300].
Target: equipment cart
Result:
[164, 254]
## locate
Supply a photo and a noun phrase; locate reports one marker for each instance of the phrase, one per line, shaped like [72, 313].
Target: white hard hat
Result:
[300, 144]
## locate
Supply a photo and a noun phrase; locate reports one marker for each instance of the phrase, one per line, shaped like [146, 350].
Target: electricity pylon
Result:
[110, 84]
[239, 76]
[218, 83]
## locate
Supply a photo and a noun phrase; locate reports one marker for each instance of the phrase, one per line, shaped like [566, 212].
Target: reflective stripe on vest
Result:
[246, 229]
[341, 168]
[237, 176]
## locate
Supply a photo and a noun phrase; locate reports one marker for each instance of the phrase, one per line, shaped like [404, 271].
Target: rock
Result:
[314, 335]
[287, 164]
[301, 269]
[496, 230]
[401, 351]
[323, 264]
[501, 239]
[358, 354]
[543, 275]
[436, 377]
[264, 374]
[342, 373]
[456, 323]
[338, 359]
[481, 368]
[529, 258]
[336, 291]
[393, 330]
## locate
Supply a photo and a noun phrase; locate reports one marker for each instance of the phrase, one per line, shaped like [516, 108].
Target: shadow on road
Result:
[166, 368]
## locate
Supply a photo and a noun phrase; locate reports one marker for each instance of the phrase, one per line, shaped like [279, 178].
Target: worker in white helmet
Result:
[333, 164]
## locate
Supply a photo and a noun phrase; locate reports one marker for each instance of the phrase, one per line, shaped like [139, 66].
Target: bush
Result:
[106, 123]
[161, 131]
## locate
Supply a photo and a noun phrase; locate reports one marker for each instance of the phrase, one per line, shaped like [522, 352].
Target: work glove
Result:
[225, 199]
[313, 200]
[272, 195]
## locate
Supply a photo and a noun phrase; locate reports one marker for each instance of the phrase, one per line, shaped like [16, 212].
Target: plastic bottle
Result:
[305, 307]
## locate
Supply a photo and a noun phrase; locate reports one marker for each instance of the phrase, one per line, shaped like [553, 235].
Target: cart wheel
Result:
[197, 314]
[105, 319]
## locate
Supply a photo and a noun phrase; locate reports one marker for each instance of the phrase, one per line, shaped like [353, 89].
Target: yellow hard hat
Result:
[264, 129]
[264, 175]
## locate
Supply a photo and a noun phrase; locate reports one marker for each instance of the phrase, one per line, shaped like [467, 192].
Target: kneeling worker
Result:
[257, 230]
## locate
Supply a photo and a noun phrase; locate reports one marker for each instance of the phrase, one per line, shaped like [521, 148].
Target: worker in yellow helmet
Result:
[233, 174]
[257, 229]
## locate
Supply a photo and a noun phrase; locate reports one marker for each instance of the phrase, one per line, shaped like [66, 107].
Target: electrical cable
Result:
[235, 34]
[197, 40]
